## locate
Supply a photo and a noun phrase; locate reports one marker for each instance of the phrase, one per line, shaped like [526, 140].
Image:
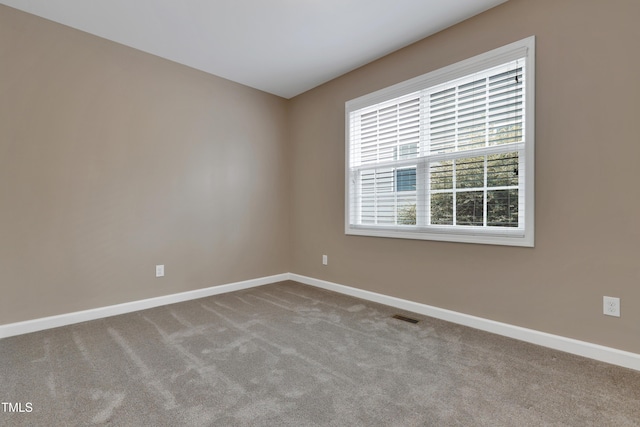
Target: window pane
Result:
[505, 134]
[373, 182]
[441, 175]
[406, 179]
[472, 125]
[407, 214]
[442, 209]
[389, 131]
[472, 135]
[506, 107]
[368, 183]
[442, 121]
[368, 209]
[469, 208]
[470, 172]
[408, 151]
[502, 170]
[386, 211]
[502, 208]
[384, 180]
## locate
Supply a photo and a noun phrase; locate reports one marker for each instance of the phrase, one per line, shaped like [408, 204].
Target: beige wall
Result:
[587, 178]
[112, 161]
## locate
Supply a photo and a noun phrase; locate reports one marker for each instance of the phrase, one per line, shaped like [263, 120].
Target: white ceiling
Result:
[284, 47]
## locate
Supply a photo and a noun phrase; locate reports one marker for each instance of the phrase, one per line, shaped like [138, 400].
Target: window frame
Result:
[524, 48]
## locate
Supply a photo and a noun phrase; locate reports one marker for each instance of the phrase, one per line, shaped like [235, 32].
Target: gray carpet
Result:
[292, 355]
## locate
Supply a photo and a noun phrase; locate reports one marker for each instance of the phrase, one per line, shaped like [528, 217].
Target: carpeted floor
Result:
[291, 355]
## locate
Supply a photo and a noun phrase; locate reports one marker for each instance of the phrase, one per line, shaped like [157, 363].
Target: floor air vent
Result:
[405, 318]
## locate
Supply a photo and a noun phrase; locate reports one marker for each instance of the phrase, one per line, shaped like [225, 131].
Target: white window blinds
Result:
[449, 156]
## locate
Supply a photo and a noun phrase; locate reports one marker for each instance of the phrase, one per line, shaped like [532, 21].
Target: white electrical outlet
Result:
[160, 270]
[325, 260]
[611, 306]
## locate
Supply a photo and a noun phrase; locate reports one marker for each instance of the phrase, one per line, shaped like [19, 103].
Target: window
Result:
[406, 179]
[448, 155]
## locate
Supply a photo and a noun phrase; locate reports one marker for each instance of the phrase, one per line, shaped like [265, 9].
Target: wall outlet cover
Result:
[611, 306]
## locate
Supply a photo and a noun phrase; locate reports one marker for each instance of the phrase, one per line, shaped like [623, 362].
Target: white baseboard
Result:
[35, 325]
[569, 345]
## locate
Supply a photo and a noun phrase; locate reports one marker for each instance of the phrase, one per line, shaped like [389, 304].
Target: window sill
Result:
[442, 234]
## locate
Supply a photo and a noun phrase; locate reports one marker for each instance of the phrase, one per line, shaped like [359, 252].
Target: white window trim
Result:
[521, 237]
